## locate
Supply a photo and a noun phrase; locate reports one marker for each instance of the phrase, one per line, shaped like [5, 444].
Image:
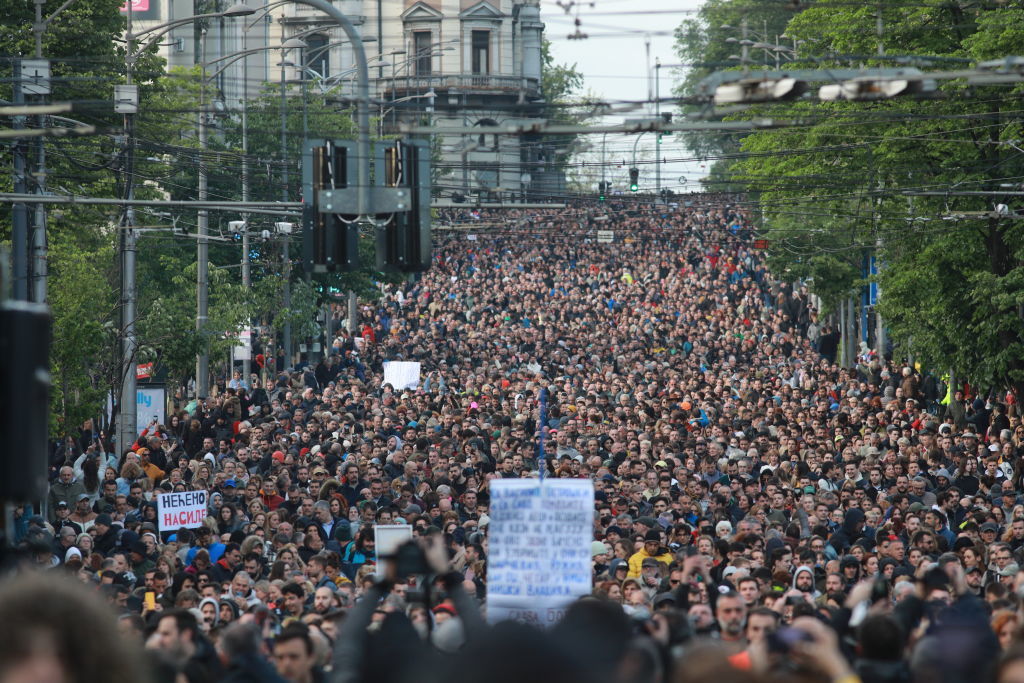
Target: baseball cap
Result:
[989, 526]
[662, 598]
[1009, 570]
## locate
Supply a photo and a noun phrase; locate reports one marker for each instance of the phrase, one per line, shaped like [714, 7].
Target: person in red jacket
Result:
[269, 495]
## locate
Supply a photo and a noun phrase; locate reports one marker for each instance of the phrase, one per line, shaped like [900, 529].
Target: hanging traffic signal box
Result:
[403, 236]
[330, 240]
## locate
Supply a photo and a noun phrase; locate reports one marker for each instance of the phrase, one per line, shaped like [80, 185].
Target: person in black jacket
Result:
[239, 646]
[177, 634]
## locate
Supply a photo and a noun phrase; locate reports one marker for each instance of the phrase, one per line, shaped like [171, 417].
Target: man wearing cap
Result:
[106, 534]
[83, 514]
[650, 576]
[1008, 575]
[63, 515]
[975, 578]
[652, 549]
[229, 492]
[599, 553]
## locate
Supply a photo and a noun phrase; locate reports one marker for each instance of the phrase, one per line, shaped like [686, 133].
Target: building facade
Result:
[450, 63]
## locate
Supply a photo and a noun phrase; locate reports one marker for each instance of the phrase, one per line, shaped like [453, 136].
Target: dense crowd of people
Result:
[763, 508]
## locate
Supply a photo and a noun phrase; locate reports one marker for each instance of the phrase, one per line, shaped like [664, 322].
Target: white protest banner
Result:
[539, 548]
[402, 374]
[387, 539]
[244, 349]
[185, 509]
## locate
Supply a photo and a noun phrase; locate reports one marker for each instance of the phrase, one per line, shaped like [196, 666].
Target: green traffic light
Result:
[634, 187]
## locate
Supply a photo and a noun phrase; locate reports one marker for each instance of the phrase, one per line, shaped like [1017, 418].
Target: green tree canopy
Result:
[835, 185]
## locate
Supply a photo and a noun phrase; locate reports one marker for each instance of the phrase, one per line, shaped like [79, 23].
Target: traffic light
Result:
[331, 240]
[760, 90]
[634, 179]
[403, 242]
[602, 190]
[869, 88]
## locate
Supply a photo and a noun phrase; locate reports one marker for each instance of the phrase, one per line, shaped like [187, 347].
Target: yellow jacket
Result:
[636, 561]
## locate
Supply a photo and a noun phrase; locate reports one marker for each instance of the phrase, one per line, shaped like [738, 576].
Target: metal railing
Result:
[463, 82]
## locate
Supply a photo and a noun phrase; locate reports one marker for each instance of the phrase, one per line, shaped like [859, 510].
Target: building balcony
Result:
[466, 84]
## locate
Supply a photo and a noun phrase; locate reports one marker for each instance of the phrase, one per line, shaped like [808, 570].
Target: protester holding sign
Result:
[711, 476]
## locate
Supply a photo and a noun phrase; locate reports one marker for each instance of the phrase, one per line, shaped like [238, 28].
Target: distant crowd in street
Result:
[764, 508]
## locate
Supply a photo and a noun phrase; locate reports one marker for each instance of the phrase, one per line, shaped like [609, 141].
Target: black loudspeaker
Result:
[25, 331]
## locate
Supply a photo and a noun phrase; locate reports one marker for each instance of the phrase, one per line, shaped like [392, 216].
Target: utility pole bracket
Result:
[126, 99]
[35, 76]
[382, 200]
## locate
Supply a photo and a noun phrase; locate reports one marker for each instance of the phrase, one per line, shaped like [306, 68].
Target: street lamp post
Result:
[657, 134]
[637, 140]
[362, 106]
[202, 244]
[286, 261]
[127, 421]
[244, 228]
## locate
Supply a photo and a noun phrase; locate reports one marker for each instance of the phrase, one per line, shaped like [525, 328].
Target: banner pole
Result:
[541, 457]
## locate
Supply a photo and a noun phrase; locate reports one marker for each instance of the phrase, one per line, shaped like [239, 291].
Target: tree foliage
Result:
[88, 59]
[560, 84]
[833, 188]
[706, 43]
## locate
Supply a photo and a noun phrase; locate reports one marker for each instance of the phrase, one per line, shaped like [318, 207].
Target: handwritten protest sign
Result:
[539, 551]
[184, 509]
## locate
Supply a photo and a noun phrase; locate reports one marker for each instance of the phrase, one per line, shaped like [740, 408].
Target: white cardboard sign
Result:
[402, 374]
[539, 552]
[185, 509]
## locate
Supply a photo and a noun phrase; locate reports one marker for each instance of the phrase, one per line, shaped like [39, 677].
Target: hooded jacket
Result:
[815, 593]
[849, 532]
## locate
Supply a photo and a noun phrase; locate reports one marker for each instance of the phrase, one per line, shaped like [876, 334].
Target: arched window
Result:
[317, 56]
[482, 138]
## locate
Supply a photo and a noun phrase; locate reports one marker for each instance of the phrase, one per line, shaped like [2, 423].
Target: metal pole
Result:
[39, 228]
[286, 263]
[286, 336]
[19, 217]
[246, 280]
[542, 463]
[634, 147]
[657, 136]
[604, 139]
[202, 244]
[128, 417]
[328, 329]
[127, 421]
[353, 313]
